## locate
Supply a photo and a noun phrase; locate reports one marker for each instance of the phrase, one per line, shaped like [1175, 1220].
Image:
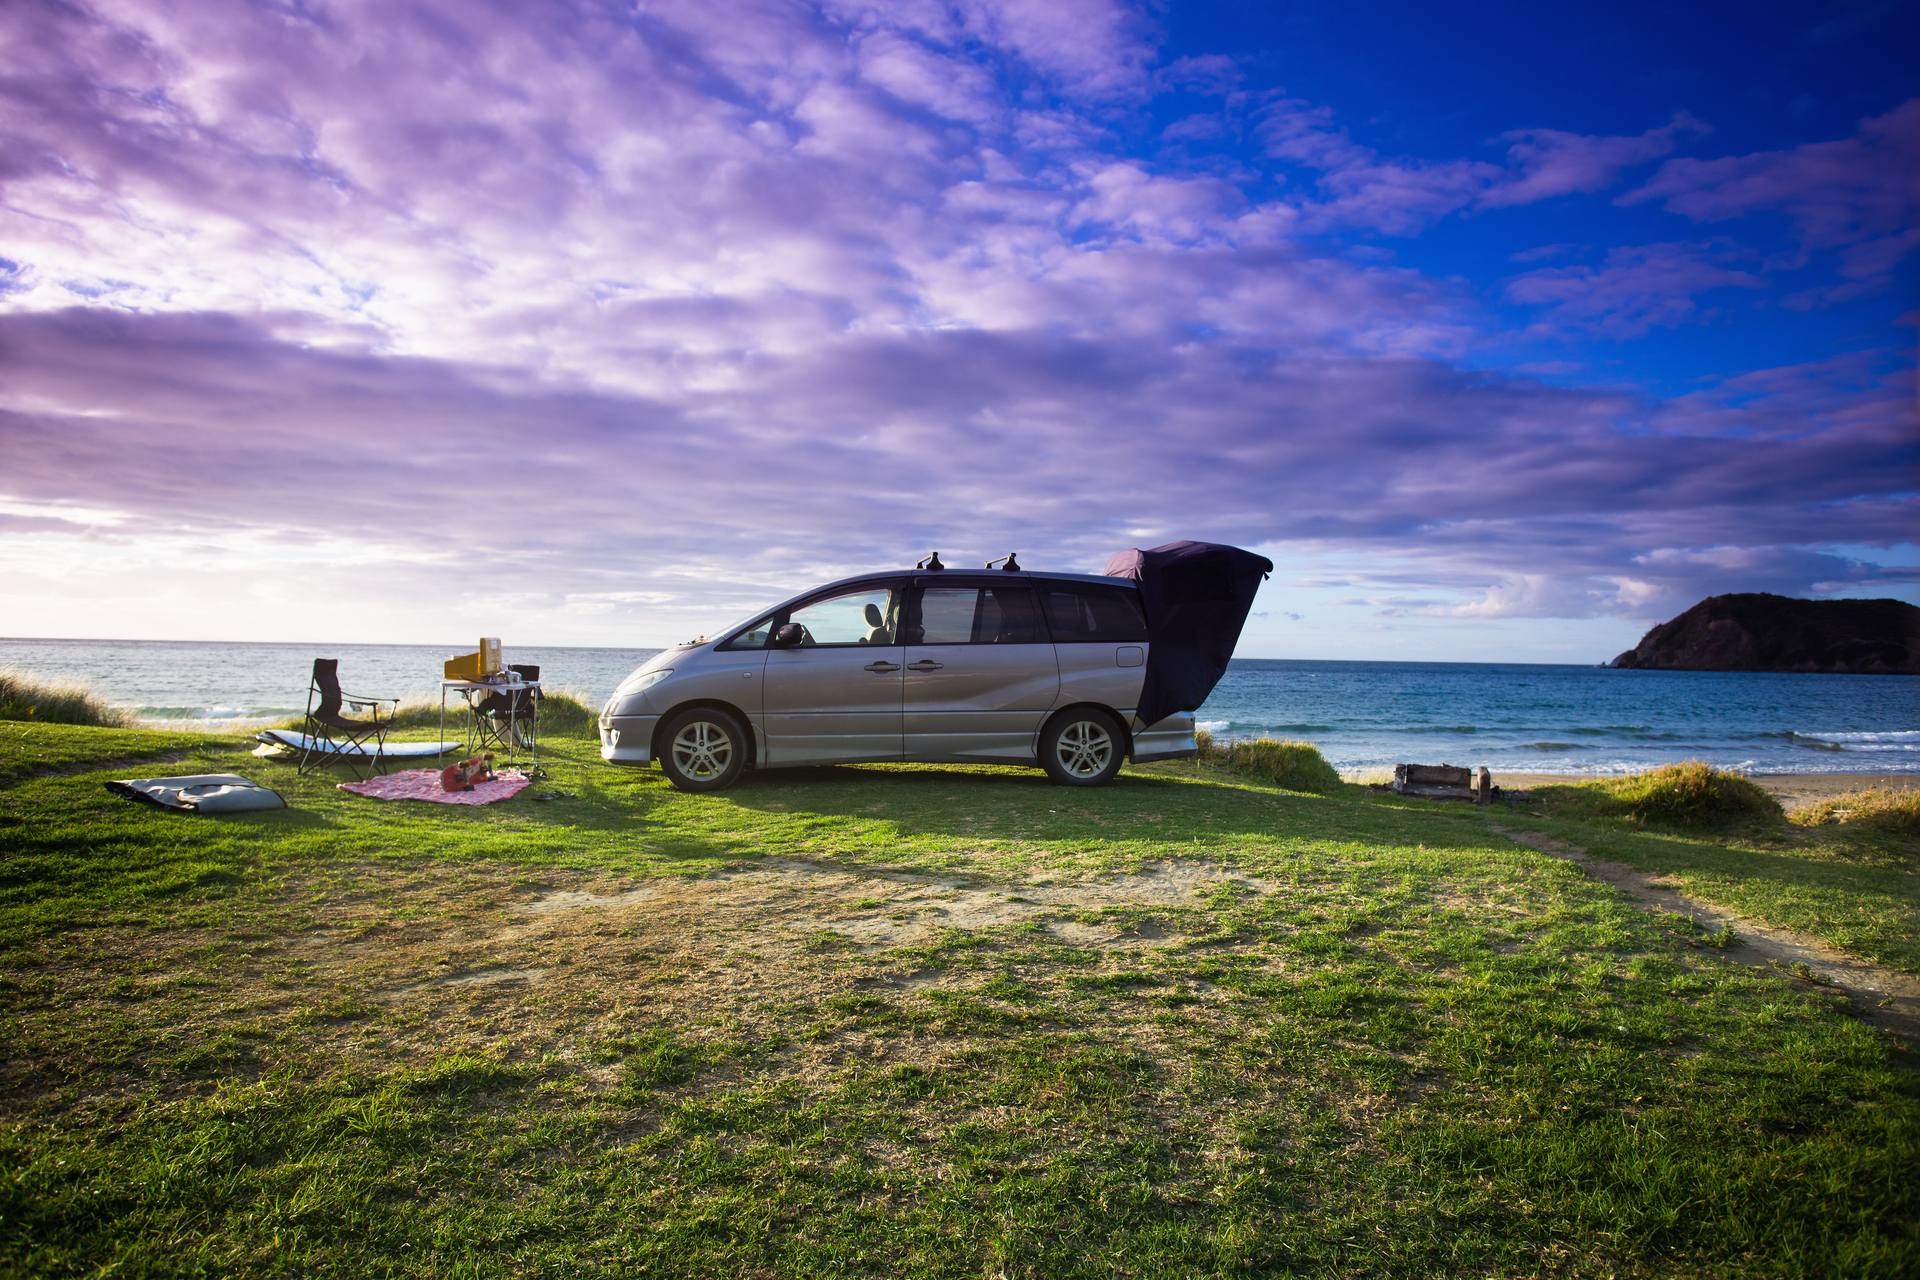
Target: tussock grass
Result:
[1691, 796]
[1881, 808]
[565, 712]
[421, 714]
[25, 695]
[1297, 766]
[569, 712]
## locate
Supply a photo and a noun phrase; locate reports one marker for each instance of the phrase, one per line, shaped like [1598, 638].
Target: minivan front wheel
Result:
[703, 750]
[1082, 748]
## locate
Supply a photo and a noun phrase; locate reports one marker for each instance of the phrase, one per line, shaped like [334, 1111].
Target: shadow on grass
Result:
[78, 851]
[1154, 813]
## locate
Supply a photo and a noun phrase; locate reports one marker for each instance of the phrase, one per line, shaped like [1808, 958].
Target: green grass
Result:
[28, 748]
[1387, 1040]
[1718, 837]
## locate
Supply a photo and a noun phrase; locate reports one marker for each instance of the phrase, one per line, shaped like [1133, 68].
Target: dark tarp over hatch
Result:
[1197, 595]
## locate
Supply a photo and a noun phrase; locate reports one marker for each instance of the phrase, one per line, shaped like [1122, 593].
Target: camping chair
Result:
[511, 717]
[331, 737]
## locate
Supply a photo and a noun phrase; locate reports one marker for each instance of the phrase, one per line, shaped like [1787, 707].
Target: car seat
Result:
[878, 634]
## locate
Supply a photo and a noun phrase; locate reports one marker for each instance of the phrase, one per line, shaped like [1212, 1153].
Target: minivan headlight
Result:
[634, 684]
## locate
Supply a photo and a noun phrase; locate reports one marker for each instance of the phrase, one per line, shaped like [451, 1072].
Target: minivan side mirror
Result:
[789, 636]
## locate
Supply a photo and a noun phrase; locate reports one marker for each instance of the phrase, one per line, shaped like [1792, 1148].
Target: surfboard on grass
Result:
[296, 741]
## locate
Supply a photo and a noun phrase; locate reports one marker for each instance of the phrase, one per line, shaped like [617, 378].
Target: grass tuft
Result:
[1693, 796]
[1882, 808]
[569, 712]
[42, 699]
[565, 712]
[1297, 766]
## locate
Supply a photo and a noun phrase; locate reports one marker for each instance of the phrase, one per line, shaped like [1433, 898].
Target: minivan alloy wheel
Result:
[1083, 750]
[705, 750]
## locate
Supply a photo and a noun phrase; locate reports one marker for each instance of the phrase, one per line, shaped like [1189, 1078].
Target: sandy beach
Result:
[1793, 790]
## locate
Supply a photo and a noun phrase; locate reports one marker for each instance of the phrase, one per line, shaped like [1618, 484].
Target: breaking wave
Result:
[212, 713]
[1897, 740]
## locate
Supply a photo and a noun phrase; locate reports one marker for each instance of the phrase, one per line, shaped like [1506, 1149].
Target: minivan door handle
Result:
[926, 664]
[882, 665]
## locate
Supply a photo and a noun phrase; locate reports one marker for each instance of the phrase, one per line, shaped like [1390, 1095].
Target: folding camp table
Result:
[522, 733]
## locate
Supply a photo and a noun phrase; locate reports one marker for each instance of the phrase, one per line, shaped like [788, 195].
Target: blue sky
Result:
[1419, 80]
[1504, 333]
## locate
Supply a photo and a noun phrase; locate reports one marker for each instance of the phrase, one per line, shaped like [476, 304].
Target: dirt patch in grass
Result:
[1888, 998]
[382, 967]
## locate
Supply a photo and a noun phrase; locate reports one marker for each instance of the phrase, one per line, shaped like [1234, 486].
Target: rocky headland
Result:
[1755, 631]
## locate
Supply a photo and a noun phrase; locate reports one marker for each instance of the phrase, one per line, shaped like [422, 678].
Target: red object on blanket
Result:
[424, 784]
[462, 776]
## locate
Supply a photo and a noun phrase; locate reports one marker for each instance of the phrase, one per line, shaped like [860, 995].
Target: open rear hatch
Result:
[1197, 595]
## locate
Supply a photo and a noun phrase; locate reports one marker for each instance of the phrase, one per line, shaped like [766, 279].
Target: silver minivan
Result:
[985, 667]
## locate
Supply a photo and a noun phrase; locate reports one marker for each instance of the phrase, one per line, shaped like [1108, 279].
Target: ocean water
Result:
[1524, 718]
[183, 682]
[1511, 718]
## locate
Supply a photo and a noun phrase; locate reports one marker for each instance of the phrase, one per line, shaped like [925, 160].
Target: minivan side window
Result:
[864, 615]
[1093, 612]
[946, 615]
[1008, 616]
[754, 637]
[1002, 613]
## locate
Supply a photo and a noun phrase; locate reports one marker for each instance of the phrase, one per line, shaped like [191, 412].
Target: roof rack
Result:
[1011, 565]
[931, 563]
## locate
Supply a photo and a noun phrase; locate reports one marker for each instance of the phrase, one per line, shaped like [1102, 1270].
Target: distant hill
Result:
[1760, 632]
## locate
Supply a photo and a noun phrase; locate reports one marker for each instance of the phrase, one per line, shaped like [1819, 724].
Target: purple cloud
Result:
[1403, 196]
[1859, 196]
[804, 467]
[1635, 289]
[1545, 163]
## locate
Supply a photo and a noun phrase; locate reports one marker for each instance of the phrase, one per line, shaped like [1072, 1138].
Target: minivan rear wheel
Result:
[702, 749]
[1082, 748]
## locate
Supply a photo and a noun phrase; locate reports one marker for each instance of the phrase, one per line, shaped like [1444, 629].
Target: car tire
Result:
[703, 749]
[1082, 748]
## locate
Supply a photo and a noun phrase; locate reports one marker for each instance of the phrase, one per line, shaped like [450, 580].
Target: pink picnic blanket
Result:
[424, 784]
